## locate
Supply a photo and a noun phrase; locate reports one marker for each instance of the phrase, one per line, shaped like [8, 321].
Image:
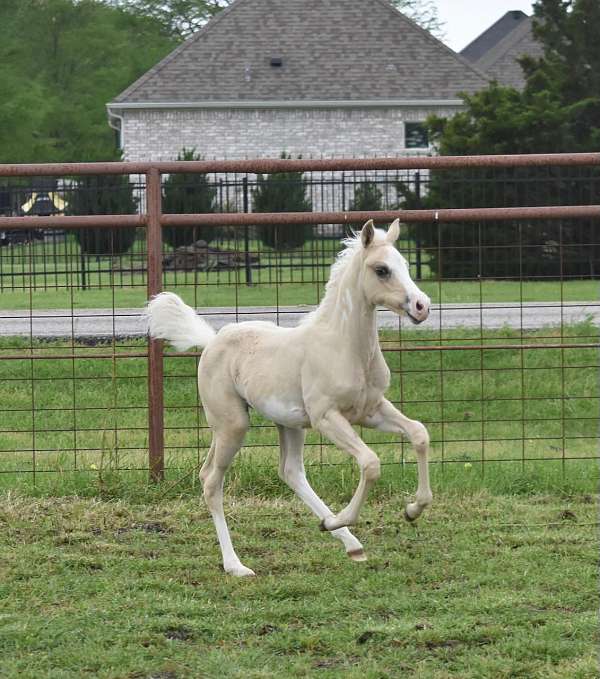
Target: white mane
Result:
[343, 261]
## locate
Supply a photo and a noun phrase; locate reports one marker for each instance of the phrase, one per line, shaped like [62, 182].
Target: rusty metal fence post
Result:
[156, 444]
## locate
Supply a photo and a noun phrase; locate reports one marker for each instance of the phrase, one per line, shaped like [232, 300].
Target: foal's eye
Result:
[382, 271]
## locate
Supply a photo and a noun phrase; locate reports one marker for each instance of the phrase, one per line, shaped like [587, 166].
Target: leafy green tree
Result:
[569, 68]
[190, 193]
[103, 195]
[282, 192]
[181, 18]
[60, 62]
[558, 111]
[23, 116]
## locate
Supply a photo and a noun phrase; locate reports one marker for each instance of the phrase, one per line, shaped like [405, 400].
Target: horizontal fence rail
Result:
[236, 266]
[237, 219]
[271, 165]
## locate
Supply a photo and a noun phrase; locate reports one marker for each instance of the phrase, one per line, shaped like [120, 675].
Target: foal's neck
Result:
[347, 313]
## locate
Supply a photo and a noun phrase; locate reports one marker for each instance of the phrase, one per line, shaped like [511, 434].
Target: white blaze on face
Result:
[417, 302]
[400, 268]
[399, 292]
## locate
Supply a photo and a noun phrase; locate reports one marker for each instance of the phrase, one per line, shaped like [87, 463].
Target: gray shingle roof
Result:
[330, 50]
[493, 35]
[500, 61]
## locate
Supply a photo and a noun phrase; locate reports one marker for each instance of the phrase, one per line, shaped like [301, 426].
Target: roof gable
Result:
[501, 63]
[329, 50]
[493, 35]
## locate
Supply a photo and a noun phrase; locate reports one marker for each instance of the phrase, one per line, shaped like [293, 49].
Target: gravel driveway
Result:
[103, 323]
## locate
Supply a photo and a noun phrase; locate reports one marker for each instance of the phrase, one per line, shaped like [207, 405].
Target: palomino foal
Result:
[328, 373]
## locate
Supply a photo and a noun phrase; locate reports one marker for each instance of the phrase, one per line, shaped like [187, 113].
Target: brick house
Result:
[319, 78]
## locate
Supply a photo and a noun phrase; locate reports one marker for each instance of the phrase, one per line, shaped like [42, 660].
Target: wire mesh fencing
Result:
[504, 372]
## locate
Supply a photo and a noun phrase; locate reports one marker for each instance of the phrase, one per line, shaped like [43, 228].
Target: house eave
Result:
[285, 104]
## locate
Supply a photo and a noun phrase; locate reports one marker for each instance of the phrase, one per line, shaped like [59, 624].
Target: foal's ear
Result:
[393, 232]
[367, 233]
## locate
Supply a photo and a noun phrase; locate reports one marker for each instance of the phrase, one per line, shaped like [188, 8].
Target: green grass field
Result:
[106, 575]
[30, 280]
[484, 586]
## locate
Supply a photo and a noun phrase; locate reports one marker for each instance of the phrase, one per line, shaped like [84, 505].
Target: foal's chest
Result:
[363, 393]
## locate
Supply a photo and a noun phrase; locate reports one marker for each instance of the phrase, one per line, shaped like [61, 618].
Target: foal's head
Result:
[386, 277]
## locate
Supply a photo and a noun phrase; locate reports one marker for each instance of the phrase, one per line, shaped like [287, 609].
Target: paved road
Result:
[102, 323]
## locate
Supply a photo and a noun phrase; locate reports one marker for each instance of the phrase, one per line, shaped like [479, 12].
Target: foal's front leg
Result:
[291, 470]
[389, 419]
[338, 430]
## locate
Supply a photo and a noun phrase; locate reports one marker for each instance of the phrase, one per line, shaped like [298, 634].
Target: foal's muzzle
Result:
[417, 308]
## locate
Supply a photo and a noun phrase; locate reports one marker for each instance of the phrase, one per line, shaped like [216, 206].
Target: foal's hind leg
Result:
[291, 470]
[225, 444]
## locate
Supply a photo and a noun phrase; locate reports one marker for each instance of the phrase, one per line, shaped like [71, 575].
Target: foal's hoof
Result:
[357, 555]
[323, 526]
[408, 517]
[240, 571]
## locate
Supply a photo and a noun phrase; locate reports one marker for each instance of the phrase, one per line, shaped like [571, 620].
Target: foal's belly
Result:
[266, 371]
[287, 413]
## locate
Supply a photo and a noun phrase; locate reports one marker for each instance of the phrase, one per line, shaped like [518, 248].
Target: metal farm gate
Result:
[505, 371]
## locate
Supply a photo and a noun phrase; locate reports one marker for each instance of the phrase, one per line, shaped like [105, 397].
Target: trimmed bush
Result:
[282, 192]
[367, 198]
[103, 195]
[188, 193]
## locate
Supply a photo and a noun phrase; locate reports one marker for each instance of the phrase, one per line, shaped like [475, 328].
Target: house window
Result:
[416, 136]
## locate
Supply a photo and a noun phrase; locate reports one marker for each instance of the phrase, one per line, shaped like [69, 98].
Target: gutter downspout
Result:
[117, 126]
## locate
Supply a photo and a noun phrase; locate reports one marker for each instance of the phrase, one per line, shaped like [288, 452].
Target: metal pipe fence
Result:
[505, 371]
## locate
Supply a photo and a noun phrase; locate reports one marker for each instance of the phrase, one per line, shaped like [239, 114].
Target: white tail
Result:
[171, 319]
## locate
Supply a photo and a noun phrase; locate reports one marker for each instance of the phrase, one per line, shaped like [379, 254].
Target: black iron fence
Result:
[94, 258]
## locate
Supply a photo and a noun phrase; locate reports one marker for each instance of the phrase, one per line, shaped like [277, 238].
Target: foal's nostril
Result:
[419, 306]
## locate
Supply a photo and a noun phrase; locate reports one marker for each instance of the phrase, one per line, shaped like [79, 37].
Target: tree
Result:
[556, 112]
[181, 18]
[60, 62]
[422, 12]
[569, 68]
[282, 192]
[559, 108]
[103, 195]
[23, 116]
[367, 198]
[189, 193]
